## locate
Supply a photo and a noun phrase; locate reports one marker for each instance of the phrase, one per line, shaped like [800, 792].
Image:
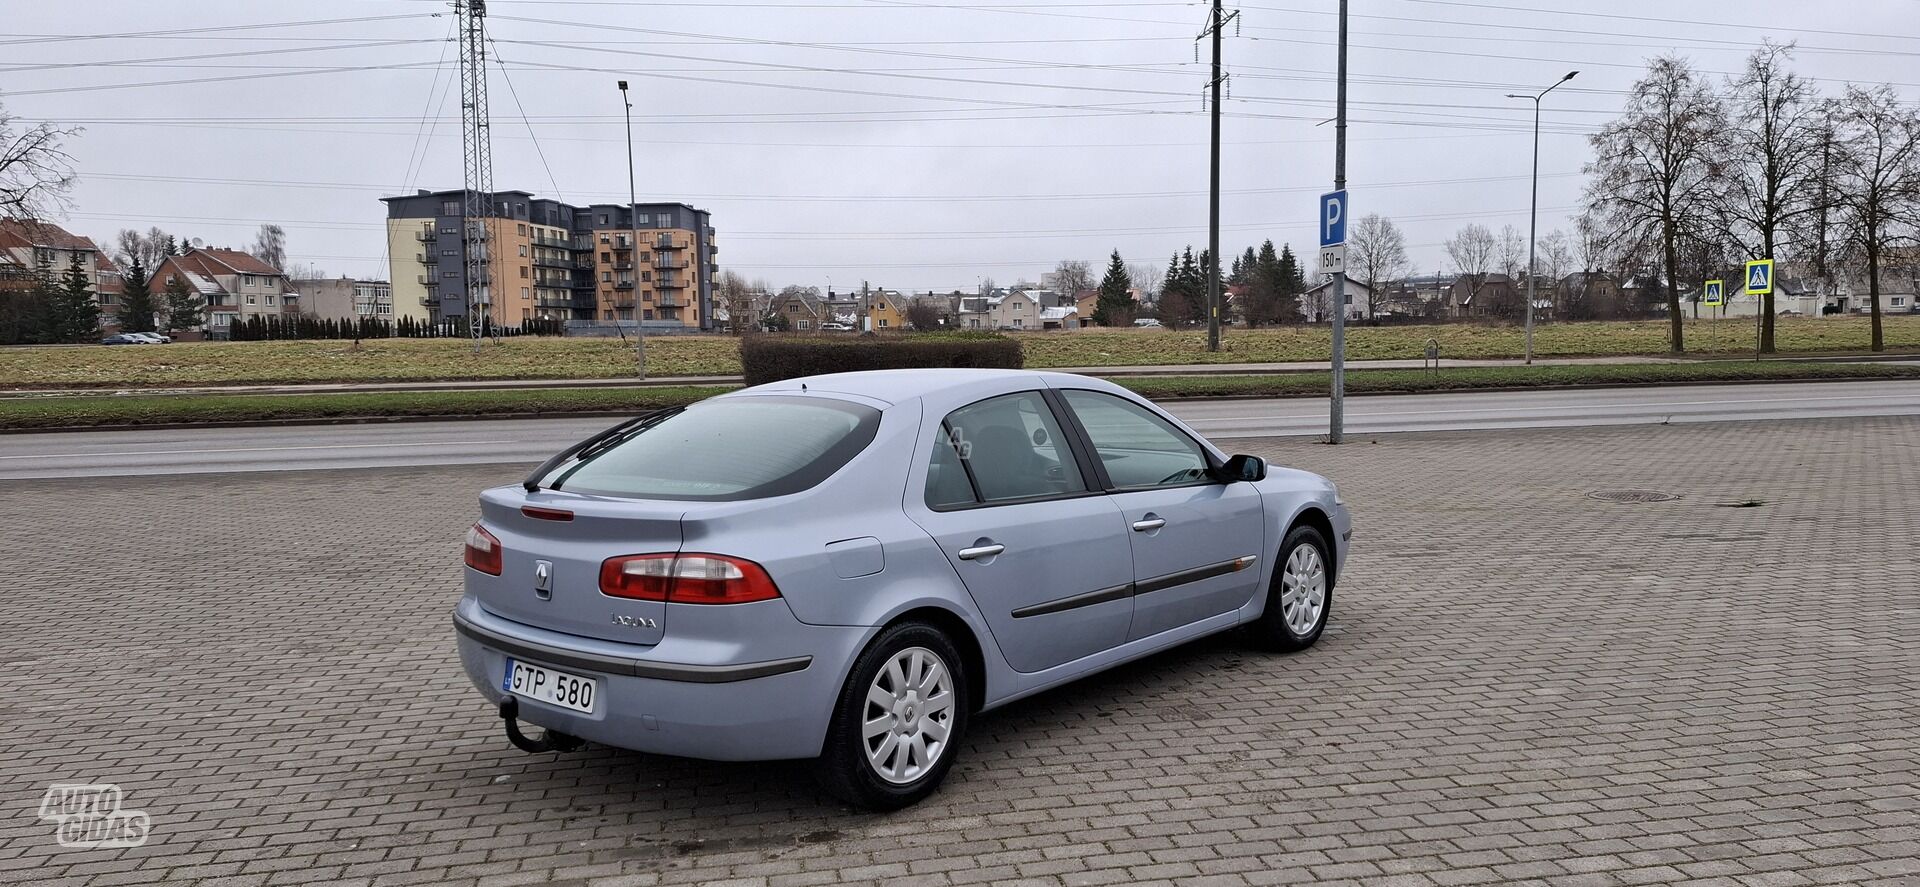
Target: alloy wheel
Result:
[908, 715]
[1303, 593]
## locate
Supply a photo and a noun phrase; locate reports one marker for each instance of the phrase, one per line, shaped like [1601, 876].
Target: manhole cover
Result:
[1632, 496]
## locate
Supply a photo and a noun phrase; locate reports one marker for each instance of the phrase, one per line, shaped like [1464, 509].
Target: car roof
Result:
[894, 386]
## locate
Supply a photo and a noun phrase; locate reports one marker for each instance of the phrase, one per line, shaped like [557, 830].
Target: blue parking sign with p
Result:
[1333, 218]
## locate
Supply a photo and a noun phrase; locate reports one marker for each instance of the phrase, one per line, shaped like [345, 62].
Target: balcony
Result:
[666, 242]
[666, 261]
[668, 302]
[623, 266]
[553, 302]
[552, 262]
[423, 236]
[669, 282]
[623, 284]
[583, 264]
[559, 242]
[425, 280]
[626, 303]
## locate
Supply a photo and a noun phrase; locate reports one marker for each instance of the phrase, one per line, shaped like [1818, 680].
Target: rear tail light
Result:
[483, 551]
[686, 579]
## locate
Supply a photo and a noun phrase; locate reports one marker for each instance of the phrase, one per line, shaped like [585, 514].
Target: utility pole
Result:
[1533, 214]
[1336, 405]
[476, 142]
[1217, 22]
[633, 251]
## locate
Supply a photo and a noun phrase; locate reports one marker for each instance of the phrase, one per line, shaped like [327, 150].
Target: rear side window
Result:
[1002, 449]
[727, 449]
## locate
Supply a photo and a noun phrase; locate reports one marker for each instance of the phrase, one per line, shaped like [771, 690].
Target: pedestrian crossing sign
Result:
[1713, 294]
[1759, 277]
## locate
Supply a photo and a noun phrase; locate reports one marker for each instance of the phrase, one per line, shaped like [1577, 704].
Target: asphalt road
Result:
[429, 444]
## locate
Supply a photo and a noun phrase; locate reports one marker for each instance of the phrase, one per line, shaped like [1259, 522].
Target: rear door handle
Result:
[979, 551]
[1149, 525]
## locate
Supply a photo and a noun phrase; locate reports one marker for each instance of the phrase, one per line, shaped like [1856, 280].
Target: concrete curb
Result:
[622, 414]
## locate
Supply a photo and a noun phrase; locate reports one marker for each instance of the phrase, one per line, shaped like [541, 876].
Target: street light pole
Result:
[1533, 212]
[633, 248]
[1337, 401]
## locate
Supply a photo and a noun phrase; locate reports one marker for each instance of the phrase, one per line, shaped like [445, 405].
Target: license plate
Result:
[549, 686]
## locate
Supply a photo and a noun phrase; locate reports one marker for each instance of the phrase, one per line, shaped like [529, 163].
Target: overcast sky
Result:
[915, 145]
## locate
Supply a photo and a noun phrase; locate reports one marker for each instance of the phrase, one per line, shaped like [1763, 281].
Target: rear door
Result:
[1195, 541]
[1041, 551]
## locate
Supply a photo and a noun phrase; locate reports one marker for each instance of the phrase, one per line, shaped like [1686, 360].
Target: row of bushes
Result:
[766, 359]
[259, 328]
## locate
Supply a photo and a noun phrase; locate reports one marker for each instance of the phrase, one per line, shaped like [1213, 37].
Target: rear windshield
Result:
[727, 449]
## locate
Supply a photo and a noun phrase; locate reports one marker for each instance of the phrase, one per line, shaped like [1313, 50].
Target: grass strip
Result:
[137, 410]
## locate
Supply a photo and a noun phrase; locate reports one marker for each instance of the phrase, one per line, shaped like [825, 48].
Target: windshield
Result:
[726, 449]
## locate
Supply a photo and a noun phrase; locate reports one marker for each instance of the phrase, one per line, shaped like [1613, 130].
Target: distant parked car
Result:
[1147, 323]
[677, 586]
[127, 339]
[832, 327]
[152, 338]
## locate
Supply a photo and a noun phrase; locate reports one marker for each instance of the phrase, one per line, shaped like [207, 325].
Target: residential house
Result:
[803, 312]
[1316, 304]
[1586, 295]
[235, 286]
[974, 312]
[886, 311]
[1899, 290]
[1485, 295]
[1014, 311]
[25, 244]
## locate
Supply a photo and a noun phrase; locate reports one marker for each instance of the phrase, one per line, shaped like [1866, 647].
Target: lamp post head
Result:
[623, 84]
[1569, 76]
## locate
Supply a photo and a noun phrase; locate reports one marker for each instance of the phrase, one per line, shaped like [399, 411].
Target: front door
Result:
[1044, 555]
[1195, 541]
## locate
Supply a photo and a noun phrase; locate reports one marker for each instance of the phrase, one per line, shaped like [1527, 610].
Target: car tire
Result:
[1293, 621]
[885, 758]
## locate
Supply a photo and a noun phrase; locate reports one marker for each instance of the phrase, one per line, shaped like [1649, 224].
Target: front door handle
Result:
[980, 551]
[1149, 525]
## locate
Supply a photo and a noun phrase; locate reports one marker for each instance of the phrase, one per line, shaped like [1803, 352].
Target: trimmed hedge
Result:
[771, 358]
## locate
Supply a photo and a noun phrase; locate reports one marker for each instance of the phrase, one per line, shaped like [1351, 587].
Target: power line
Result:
[65, 38]
[501, 62]
[227, 79]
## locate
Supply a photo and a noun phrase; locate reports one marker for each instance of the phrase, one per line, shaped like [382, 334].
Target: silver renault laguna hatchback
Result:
[846, 568]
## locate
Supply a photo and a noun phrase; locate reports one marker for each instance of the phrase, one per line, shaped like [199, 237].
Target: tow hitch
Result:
[550, 740]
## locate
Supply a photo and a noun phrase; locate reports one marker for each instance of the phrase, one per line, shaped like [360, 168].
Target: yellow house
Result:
[886, 312]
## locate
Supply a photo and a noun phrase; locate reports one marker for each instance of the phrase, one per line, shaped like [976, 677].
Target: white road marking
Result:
[378, 446]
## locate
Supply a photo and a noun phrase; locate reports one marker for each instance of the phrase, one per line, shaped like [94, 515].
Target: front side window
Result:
[716, 450]
[1137, 448]
[1002, 449]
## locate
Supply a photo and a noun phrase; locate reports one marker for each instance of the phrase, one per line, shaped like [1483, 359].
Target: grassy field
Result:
[133, 410]
[395, 360]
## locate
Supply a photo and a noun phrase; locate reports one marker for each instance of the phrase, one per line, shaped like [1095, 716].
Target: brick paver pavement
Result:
[1521, 685]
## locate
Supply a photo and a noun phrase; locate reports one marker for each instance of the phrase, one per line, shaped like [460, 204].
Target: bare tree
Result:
[1555, 261]
[1654, 166]
[1472, 251]
[986, 286]
[1513, 253]
[1376, 255]
[1879, 162]
[306, 271]
[1769, 185]
[1145, 279]
[923, 314]
[36, 173]
[1072, 276]
[271, 245]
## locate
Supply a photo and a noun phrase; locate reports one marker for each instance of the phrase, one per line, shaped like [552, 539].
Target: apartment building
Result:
[234, 285]
[335, 298]
[606, 263]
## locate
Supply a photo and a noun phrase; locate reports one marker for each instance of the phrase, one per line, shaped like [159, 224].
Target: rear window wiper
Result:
[596, 444]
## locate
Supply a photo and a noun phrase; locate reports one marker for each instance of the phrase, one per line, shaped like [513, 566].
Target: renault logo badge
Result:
[543, 580]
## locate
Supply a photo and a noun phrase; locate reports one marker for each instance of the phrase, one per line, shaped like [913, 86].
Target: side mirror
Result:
[1242, 468]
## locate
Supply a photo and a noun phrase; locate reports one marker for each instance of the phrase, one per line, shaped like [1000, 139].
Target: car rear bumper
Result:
[694, 699]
